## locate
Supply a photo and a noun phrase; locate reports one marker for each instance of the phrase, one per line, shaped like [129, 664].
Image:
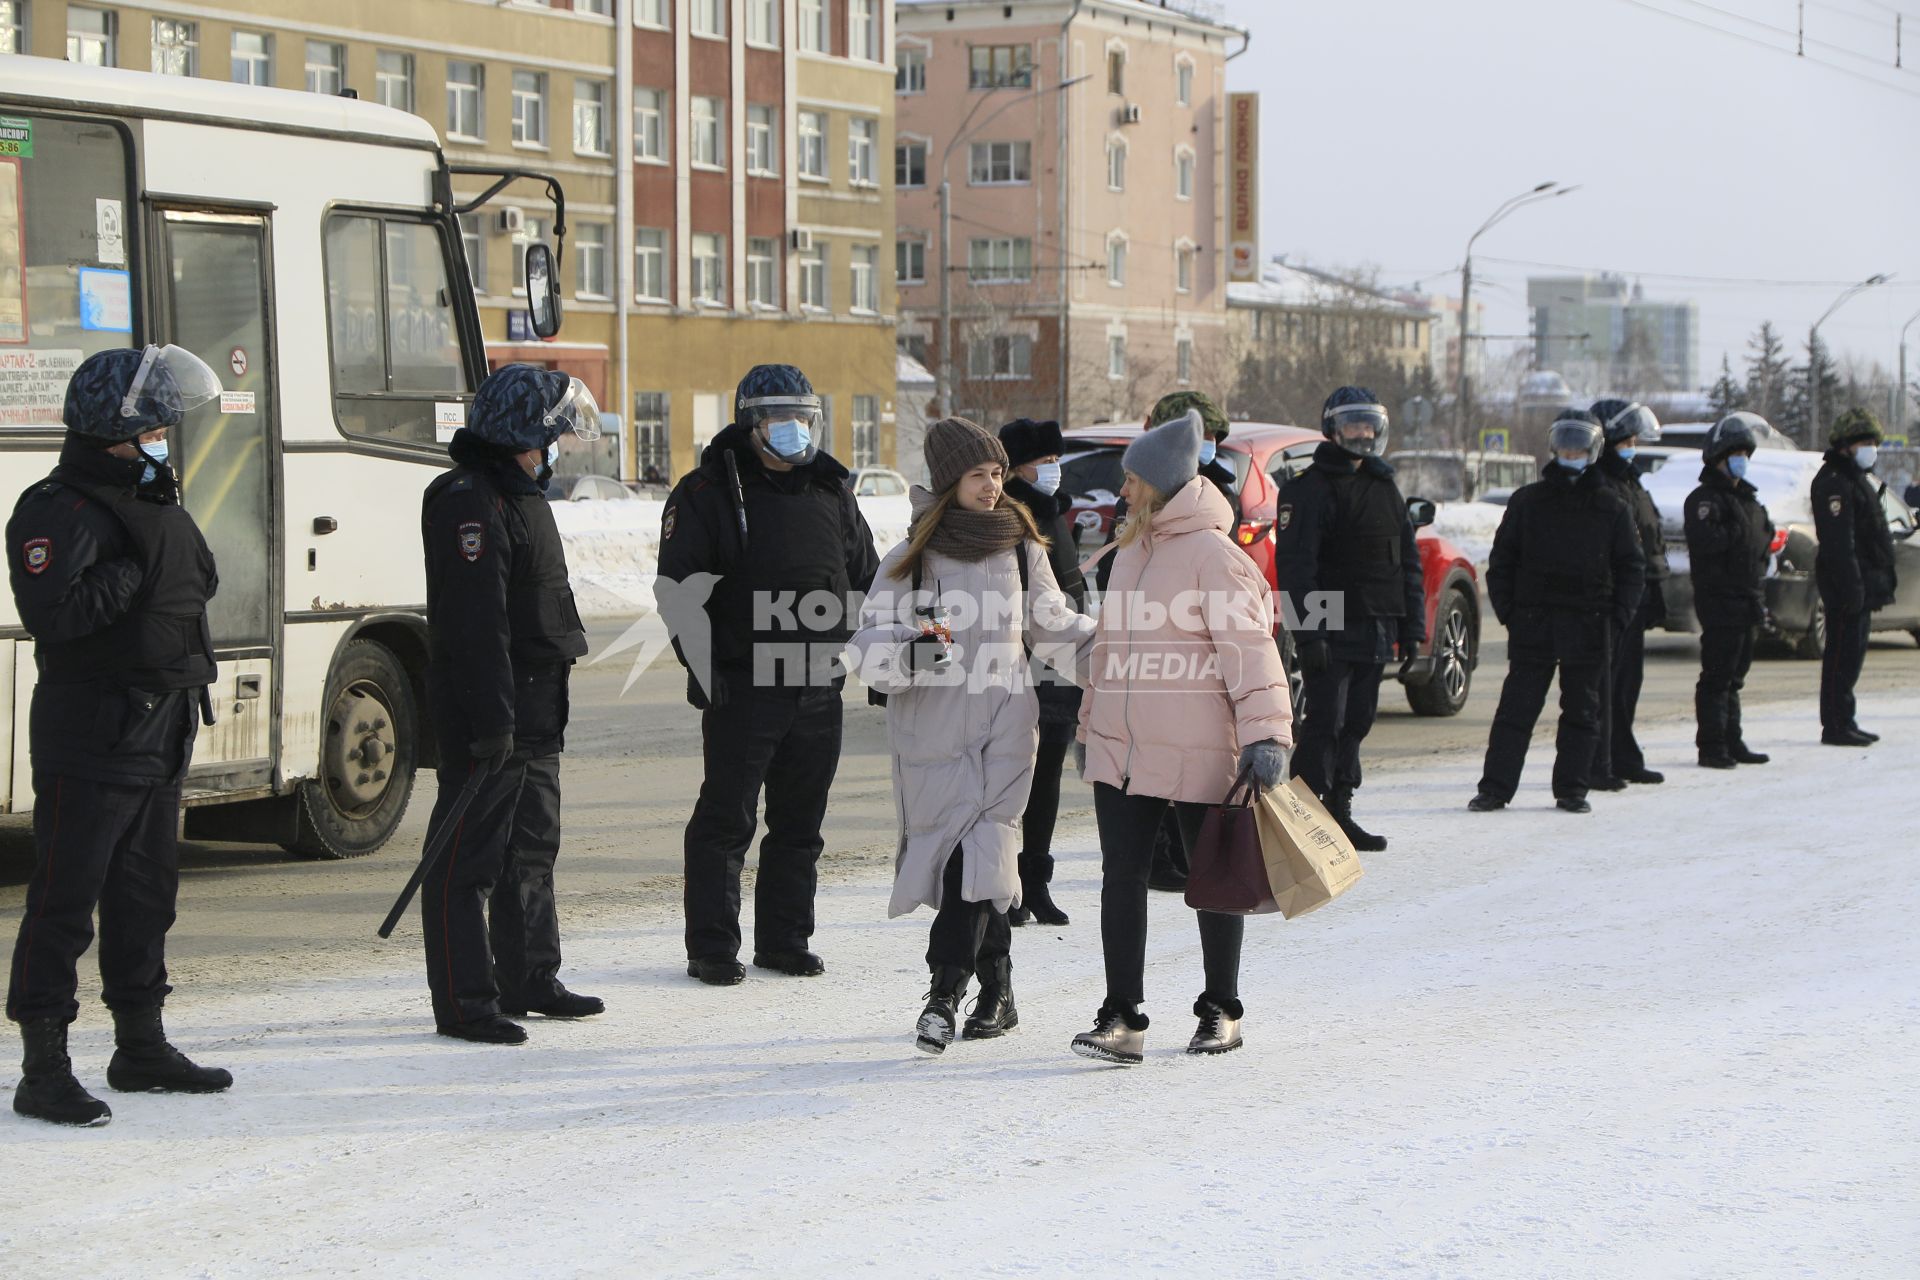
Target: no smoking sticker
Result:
[237, 361]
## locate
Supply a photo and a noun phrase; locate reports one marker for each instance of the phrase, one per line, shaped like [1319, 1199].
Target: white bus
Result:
[306, 247]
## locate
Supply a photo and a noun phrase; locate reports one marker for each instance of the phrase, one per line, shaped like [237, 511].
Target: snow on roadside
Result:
[1469, 526]
[1674, 1037]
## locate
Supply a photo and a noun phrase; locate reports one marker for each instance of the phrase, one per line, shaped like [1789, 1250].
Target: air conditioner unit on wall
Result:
[512, 220]
[802, 240]
[1130, 114]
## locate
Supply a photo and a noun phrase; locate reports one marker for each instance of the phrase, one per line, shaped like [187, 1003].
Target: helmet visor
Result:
[1359, 429]
[1634, 420]
[1568, 438]
[796, 408]
[578, 412]
[170, 381]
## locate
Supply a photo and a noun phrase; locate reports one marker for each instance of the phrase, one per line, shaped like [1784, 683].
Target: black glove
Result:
[490, 754]
[1313, 655]
[1080, 759]
[926, 653]
[716, 694]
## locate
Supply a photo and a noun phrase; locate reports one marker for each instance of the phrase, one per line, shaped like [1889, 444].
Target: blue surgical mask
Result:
[155, 452]
[789, 439]
[1627, 453]
[1866, 455]
[1737, 466]
[1575, 465]
[1208, 449]
[1046, 476]
[553, 454]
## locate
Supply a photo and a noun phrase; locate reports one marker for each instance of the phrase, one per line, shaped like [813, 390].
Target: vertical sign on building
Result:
[1243, 186]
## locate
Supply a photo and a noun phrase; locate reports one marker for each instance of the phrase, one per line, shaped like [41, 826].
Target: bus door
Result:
[213, 295]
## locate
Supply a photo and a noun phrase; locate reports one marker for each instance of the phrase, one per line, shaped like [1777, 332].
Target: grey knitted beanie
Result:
[1169, 455]
[955, 446]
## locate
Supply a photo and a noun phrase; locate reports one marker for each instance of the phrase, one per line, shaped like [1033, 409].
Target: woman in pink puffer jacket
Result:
[1186, 692]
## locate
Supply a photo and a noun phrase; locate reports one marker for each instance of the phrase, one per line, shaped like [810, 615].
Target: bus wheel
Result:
[368, 744]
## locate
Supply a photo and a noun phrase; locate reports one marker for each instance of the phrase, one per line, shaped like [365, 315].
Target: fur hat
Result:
[954, 447]
[1026, 440]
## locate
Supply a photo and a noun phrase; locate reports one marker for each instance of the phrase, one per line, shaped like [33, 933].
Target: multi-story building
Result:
[1083, 146]
[726, 203]
[1294, 308]
[1605, 336]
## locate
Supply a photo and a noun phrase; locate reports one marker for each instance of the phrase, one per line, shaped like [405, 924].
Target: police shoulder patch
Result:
[1705, 511]
[37, 554]
[1835, 503]
[472, 540]
[668, 521]
[1285, 514]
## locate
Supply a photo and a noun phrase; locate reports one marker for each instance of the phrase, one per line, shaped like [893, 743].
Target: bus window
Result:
[66, 288]
[396, 346]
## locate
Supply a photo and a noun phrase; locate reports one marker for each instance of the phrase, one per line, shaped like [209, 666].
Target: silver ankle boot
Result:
[1119, 1036]
[1219, 1029]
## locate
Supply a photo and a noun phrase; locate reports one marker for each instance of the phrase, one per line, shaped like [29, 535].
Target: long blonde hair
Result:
[1138, 525]
[928, 524]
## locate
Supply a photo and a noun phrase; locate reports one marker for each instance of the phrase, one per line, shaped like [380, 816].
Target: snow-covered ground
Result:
[1673, 1038]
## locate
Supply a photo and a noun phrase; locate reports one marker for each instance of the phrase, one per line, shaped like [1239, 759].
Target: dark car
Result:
[1263, 457]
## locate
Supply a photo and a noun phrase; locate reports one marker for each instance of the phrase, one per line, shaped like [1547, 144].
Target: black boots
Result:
[562, 1004]
[1742, 754]
[797, 963]
[717, 971]
[143, 1061]
[1847, 738]
[1643, 776]
[993, 1012]
[1486, 802]
[1340, 806]
[493, 1029]
[1573, 804]
[47, 1089]
[1036, 902]
[934, 1032]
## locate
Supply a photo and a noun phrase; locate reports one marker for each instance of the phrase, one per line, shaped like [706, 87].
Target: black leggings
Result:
[1127, 827]
[1043, 802]
[966, 935]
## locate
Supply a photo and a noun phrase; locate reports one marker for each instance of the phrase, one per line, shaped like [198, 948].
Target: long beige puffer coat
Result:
[963, 740]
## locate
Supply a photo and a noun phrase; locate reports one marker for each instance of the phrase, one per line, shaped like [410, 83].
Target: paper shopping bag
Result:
[1310, 861]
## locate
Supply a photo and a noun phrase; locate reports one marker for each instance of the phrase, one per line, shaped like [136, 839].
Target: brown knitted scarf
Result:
[974, 535]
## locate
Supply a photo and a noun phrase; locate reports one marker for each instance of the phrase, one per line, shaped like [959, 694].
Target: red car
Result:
[1264, 456]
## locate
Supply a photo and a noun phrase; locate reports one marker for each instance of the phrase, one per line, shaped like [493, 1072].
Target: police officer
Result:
[768, 522]
[1728, 535]
[111, 578]
[1565, 574]
[1854, 569]
[503, 634]
[1624, 426]
[1342, 538]
[1033, 455]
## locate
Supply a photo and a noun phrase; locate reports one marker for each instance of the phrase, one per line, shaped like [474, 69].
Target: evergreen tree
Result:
[1797, 420]
[1767, 373]
[1727, 395]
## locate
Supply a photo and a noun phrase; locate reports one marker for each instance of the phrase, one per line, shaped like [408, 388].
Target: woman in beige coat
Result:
[1186, 692]
[944, 634]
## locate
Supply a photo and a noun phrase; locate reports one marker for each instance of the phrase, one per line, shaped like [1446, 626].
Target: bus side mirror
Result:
[1420, 511]
[543, 291]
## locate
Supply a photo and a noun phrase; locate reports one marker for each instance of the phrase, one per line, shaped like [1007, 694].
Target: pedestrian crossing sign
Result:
[1493, 441]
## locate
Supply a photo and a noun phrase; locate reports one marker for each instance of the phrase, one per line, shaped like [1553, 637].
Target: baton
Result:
[431, 854]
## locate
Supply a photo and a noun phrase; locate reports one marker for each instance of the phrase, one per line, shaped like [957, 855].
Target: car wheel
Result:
[1813, 641]
[368, 745]
[1454, 650]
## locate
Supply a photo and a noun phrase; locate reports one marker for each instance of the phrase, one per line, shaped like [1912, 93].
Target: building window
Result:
[1000, 260]
[651, 447]
[910, 164]
[1116, 164]
[910, 261]
[602, 7]
[866, 431]
[13, 26]
[1183, 84]
[252, 58]
[1116, 356]
[909, 70]
[529, 108]
[709, 270]
[176, 47]
[863, 30]
[590, 118]
[999, 66]
[473, 243]
[763, 150]
[590, 262]
[1116, 260]
[466, 82]
[861, 136]
[652, 13]
[866, 280]
[763, 23]
[650, 264]
[326, 67]
[995, 164]
[709, 133]
[763, 274]
[813, 280]
[813, 26]
[1183, 175]
[813, 144]
[1002, 357]
[709, 18]
[1183, 359]
[90, 37]
[1117, 72]
[649, 126]
[393, 79]
[1183, 268]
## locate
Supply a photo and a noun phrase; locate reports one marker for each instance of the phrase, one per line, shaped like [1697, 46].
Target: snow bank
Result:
[1469, 526]
[1672, 1038]
[613, 549]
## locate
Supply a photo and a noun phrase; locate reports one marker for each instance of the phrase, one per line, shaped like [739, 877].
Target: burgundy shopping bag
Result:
[1229, 872]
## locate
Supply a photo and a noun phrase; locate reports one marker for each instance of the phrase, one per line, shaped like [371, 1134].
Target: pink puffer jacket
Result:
[1185, 670]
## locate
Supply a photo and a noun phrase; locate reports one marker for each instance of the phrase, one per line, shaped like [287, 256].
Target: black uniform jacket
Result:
[1565, 566]
[1854, 567]
[1620, 475]
[1338, 529]
[1728, 536]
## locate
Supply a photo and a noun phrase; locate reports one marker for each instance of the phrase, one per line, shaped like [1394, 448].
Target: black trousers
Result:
[971, 936]
[104, 845]
[1619, 748]
[1725, 655]
[1840, 664]
[787, 741]
[487, 912]
[1521, 699]
[1043, 802]
[1342, 701]
[1127, 827]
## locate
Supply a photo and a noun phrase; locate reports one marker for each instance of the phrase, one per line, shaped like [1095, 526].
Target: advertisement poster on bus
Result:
[13, 255]
[33, 386]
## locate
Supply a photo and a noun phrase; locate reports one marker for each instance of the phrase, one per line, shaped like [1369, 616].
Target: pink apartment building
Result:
[1087, 223]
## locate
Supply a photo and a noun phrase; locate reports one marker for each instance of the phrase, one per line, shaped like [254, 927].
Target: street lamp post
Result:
[1545, 191]
[1813, 352]
[943, 374]
[1900, 387]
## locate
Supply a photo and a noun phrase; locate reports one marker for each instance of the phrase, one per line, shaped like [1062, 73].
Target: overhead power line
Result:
[1787, 50]
[1683, 278]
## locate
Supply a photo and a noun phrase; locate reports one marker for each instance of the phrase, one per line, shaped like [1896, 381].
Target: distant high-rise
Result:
[1607, 336]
